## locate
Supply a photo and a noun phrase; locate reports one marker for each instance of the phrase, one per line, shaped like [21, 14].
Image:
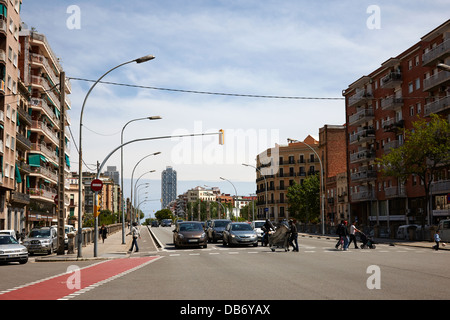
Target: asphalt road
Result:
[317, 272]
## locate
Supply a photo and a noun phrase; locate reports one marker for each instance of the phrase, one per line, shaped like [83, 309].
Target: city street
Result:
[317, 272]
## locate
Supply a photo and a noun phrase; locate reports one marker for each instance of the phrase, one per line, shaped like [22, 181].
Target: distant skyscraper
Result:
[113, 174]
[168, 186]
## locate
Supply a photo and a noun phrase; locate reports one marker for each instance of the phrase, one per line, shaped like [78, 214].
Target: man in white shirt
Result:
[353, 231]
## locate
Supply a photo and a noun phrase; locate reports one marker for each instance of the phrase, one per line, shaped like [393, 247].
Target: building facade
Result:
[279, 168]
[379, 107]
[168, 186]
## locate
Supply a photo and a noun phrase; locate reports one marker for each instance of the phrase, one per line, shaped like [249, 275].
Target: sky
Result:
[261, 70]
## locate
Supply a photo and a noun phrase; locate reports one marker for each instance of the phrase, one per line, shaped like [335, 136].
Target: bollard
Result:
[71, 242]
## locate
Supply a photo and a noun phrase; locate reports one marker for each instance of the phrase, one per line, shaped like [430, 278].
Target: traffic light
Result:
[221, 137]
[97, 205]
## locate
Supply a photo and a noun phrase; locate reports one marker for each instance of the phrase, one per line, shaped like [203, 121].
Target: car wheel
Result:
[205, 246]
[23, 261]
[255, 244]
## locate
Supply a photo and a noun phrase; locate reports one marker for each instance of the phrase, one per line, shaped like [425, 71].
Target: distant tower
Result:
[168, 186]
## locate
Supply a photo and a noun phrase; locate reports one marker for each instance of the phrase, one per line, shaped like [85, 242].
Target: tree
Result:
[304, 200]
[426, 151]
[163, 214]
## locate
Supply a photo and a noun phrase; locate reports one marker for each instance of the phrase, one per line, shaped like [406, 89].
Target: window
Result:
[410, 64]
[417, 61]
[419, 108]
[417, 83]
[410, 87]
[411, 111]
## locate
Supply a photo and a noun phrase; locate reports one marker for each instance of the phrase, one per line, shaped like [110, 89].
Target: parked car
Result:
[166, 223]
[68, 228]
[239, 233]
[216, 229]
[256, 225]
[11, 250]
[403, 231]
[189, 233]
[444, 229]
[41, 240]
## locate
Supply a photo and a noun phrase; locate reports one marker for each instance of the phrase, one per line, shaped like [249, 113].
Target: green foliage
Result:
[163, 214]
[304, 200]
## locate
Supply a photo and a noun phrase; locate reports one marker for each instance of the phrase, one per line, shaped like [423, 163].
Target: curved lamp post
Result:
[121, 169]
[80, 153]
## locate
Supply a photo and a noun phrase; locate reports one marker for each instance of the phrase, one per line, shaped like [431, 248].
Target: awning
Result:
[18, 177]
[34, 160]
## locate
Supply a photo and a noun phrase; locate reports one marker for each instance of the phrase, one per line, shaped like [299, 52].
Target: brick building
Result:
[379, 106]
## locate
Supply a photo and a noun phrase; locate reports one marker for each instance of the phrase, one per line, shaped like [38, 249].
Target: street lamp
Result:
[265, 187]
[80, 153]
[235, 202]
[121, 169]
[443, 66]
[321, 176]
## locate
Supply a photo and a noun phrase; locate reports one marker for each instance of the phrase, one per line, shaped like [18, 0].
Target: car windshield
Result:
[241, 227]
[5, 239]
[221, 224]
[259, 224]
[39, 233]
[191, 227]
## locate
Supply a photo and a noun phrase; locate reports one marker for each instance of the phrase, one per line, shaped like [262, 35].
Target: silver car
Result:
[11, 250]
[42, 240]
[239, 233]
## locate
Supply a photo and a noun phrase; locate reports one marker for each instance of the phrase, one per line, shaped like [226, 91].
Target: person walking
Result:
[345, 236]
[293, 239]
[340, 233]
[437, 239]
[136, 234]
[353, 231]
[103, 232]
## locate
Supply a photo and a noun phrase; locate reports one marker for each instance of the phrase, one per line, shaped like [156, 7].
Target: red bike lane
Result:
[61, 286]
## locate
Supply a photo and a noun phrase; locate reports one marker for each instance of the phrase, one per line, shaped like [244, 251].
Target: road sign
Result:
[96, 185]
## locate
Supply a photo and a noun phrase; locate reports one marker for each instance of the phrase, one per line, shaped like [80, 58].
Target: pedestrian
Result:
[353, 231]
[437, 239]
[103, 232]
[340, 233]
[136, 234]
[267, 227]
[293, 239]
[345, 236]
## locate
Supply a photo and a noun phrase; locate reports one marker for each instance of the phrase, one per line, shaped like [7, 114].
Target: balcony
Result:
[395, 192]
[391, 103]
[437, 106]
[388, 146]
[439, 52]
[363, 175]
[440, 186]
[363, 195]
[360, 117]
[392, 125]
[361, 97]
[361, 136]
[362, 156]
[435, 80]
[392, 80]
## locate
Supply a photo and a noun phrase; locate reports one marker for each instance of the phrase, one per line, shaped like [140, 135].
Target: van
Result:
[444, 230]
[403, 231]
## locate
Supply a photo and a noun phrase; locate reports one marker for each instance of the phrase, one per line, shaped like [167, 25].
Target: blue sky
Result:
[287, 48]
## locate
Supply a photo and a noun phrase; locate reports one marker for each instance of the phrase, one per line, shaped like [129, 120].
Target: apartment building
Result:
[379, 107]
[168, 186]
[40, 73]
[280, 167]
[11, 211]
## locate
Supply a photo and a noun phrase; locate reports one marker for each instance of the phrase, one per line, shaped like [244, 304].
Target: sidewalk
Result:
[112, 248]
[391, 242]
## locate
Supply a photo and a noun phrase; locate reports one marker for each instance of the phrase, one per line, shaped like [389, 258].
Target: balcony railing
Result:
[361, 116]
[437, 106]
[436, 53]
[360, 97]
[436, 80]
[362, 136]
[361, 156]
[392, 80]
[395, 191]
[391, 103]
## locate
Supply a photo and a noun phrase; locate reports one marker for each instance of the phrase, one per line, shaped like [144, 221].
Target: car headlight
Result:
[24, 250]
[2, 252]
[26, 243]
[203, 235]
[180, 236]
[233, 235]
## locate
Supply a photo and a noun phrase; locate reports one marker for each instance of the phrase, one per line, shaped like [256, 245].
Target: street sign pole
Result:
[96, 186]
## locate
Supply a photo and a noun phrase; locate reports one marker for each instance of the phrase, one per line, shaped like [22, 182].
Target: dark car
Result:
[166, 223]
[216, 228]
[240, 233]
[155, 223]
[189, 233]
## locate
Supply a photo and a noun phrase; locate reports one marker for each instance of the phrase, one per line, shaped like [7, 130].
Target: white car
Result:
[256, 225]
[11, 250]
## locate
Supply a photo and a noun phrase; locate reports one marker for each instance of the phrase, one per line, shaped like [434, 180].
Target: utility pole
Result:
[62, 159]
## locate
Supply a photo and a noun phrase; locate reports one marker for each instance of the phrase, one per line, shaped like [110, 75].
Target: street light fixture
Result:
[265, 187]
[321, 176]
[80, 152]
[443, 66]
[121, 169]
